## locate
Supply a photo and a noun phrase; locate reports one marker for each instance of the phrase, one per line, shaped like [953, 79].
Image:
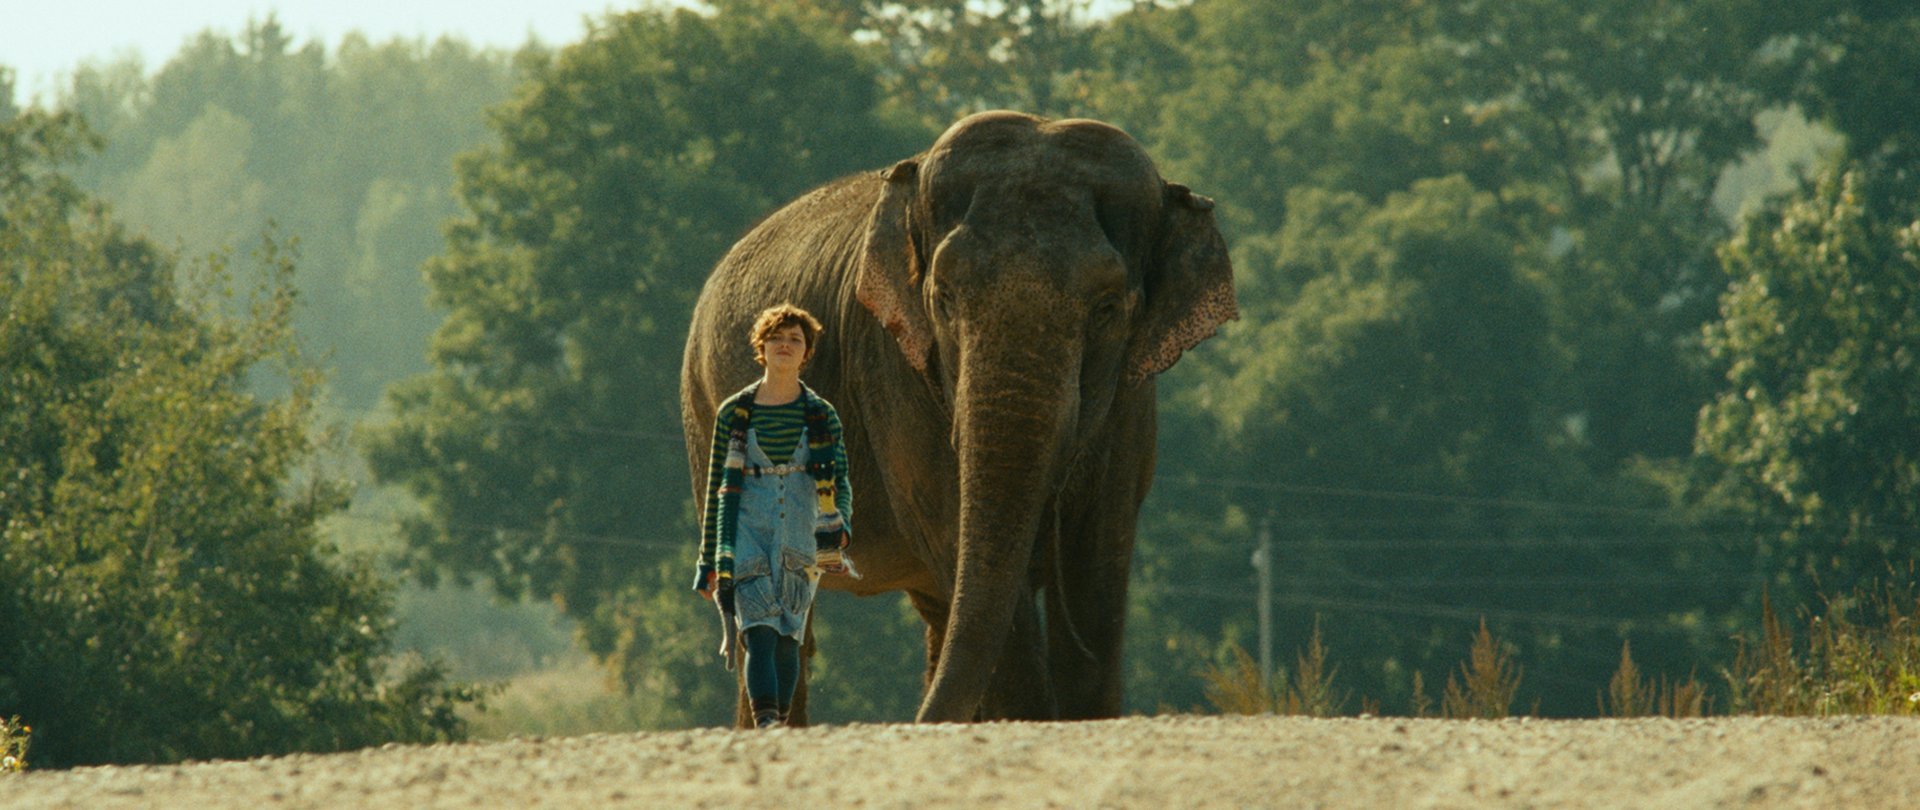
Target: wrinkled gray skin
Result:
[995, 311]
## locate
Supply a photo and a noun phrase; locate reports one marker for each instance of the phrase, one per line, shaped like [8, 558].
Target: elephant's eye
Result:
[1105, 312]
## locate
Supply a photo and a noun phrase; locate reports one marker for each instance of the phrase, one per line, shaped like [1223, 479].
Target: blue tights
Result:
[773, 666]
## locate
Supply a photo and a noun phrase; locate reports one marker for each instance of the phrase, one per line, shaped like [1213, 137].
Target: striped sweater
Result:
[778, 429]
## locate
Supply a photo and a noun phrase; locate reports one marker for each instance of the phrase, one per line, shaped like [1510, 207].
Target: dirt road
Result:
[1137, 762]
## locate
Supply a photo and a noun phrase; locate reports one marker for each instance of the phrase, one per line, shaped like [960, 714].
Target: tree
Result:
[1861, 74]
[545, 444]
[949, 59]
[165, 596]
[1816, 419]
[1249, 102]
[1600, 129]
[1387, 375]
[348, 149]
[1626, 113]
[7, 112]
[1407, 497]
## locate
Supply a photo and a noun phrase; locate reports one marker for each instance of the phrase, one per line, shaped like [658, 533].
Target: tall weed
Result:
[1631, 694]
[1308, 690]
[1844, 665]
[14, 739]
[1487, 684]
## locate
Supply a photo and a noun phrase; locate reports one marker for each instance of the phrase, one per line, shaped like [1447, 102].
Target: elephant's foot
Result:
[1022, 688]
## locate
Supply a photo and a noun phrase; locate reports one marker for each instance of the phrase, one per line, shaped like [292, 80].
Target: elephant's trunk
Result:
[1010, 426]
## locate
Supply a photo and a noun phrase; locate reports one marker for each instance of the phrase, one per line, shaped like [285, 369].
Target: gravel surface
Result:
[1190, 761]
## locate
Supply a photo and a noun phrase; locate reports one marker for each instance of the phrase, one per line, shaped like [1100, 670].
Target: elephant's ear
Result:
[1189, 286]
[890, 267]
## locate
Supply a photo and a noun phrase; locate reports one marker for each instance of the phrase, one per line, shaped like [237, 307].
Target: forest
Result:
[1592, 325]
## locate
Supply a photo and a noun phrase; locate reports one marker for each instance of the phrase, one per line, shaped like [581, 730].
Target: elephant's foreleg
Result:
[933, 611]
[1086, 625]
[1087, 592]
[1021, 688]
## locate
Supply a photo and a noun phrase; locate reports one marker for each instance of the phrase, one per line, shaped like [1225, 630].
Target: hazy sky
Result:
[42, 39]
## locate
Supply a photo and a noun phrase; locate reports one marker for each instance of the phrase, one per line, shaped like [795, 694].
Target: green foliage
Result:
[1408, 323]
[1862, 73]
[1475, 248]
[946, 60]
[1845, 666]
[1392, 348]
[871, 660]
[165, 597]
[1817, 418]
[573, 696]
[348, 148]
[1625, 114]
[15, 738]
[545, 445]
[477, 635]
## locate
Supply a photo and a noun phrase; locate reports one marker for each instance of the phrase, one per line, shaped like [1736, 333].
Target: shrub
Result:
[1631, 694]
[1844, 666]
[1487, 684]
[1308, 690]
[14, 737]
[163, 592]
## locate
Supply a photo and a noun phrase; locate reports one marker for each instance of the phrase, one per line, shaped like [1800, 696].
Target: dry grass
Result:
[1487, 683]
[1308, 690]
[1843, 665]
[571, 698]
[1419, 702]
[1631, 694]
[1860, 655]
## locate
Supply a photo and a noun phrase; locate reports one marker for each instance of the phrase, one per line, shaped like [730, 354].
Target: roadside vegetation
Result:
[1857, 654]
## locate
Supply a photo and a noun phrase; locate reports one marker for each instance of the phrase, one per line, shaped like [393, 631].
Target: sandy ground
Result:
[1136, 762]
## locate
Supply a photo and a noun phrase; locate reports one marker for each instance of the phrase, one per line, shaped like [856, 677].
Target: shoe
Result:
[767, 719]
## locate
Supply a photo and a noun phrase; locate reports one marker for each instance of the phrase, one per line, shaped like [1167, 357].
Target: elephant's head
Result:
[1032, 270]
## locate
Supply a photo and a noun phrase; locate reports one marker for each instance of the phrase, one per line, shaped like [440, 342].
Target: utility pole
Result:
[1263, 563]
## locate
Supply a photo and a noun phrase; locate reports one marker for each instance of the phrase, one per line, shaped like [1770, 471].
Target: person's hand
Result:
[830, 560]
[723, 596]
[703, 581]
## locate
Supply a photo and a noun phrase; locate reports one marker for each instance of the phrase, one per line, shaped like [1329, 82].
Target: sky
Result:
[42, 40]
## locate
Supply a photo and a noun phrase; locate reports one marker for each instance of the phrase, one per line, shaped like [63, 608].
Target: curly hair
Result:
[778, 317]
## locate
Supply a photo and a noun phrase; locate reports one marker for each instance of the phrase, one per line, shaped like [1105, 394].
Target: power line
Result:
[1685, 521]
[1563, 543]
[1367, 606]
[397, 521]
[1677, 518]
[362, 415]
[1550, 582]
[1401, 495]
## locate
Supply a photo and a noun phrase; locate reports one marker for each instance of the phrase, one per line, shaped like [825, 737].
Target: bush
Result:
[1631, 694]
[1844, 666]
[14, 737]
[1308, 690]
[1487, 683]
[163, 592]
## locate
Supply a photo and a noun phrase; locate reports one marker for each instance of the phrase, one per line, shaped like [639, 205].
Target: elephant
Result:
[996, 310]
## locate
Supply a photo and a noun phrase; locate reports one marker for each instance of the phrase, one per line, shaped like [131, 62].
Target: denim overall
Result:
[773, 552]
